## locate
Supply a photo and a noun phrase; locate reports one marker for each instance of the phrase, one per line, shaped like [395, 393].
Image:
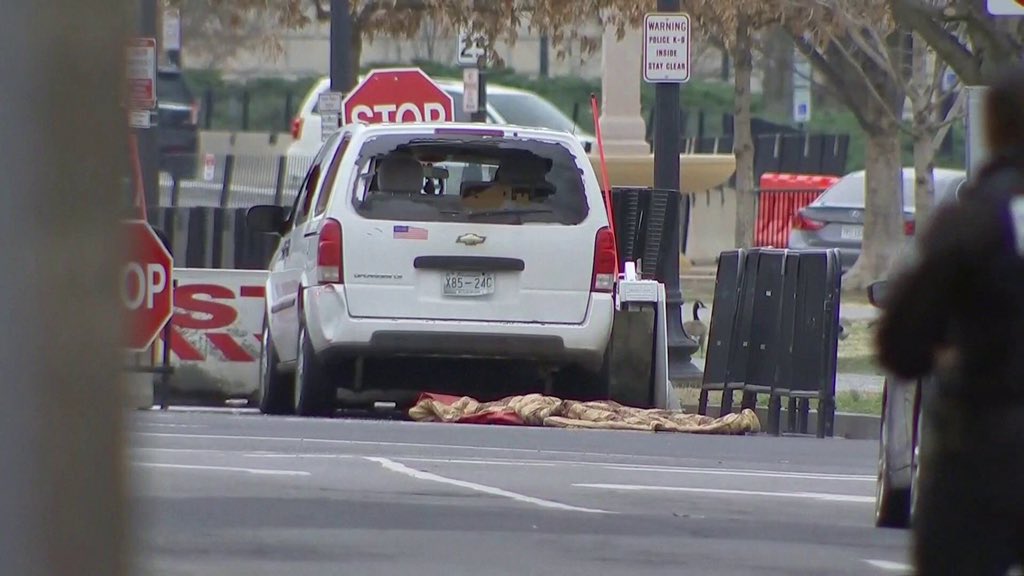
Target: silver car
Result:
[836, 218]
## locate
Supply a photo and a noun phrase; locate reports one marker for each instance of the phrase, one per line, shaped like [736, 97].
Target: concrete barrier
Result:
[215, 341]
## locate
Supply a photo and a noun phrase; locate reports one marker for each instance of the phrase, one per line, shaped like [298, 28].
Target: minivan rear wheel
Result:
[314, 391]
[275, 388]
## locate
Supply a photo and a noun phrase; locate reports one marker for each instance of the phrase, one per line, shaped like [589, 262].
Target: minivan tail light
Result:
[605, 267]
[801, 222]
[909, 227]
[329, 267]
[194, 119]
[297, 127]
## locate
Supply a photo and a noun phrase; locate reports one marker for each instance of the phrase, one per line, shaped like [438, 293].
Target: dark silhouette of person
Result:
[955, 319]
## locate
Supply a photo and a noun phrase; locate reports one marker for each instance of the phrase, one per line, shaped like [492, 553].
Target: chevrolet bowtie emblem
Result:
[470, 239]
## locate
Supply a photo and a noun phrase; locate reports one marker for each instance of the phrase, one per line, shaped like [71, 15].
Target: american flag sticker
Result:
[409, 233]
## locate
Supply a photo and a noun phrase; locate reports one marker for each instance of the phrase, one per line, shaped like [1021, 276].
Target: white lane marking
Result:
[754, 473]
[412, 459]
[890, 566]
[161, 425]
[369, 443]
[808, 495]
[257, 471]
[639, 467]
[430, 477]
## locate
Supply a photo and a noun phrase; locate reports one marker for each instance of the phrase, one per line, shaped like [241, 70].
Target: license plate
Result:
[468, 283]
[852, 233]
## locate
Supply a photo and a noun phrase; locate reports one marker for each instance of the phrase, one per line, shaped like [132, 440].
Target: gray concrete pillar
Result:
[622, 123]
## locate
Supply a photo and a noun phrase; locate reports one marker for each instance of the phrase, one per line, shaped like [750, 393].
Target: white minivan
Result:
[505, 105]
[450, 240]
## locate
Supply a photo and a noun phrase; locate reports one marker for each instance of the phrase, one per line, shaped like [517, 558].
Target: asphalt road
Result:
[243, 494]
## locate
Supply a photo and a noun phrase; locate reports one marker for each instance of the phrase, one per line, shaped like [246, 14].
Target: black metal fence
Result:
[775, 331]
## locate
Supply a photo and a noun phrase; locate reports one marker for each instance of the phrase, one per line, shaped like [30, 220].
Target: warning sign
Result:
[142, 73]
[667, 47]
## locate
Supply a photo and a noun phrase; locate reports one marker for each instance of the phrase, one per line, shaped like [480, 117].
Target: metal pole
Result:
[63, 504]
[666, 177]
[545, 59]
[149, 138]
[342, 76]
[481, 114]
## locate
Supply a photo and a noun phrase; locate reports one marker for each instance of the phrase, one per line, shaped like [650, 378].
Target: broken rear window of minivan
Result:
[469, 178]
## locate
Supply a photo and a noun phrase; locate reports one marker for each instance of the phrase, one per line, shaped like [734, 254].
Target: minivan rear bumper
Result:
[333, 332]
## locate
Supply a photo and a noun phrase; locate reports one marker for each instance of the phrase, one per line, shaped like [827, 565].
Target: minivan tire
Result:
[275, 388]
[314, 391]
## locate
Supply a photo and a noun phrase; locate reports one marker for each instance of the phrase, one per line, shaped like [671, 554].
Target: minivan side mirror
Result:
[877, 292]
[266, 219]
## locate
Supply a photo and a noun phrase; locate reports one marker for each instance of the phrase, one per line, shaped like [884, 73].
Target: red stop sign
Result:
[145, 285]
[397, 95]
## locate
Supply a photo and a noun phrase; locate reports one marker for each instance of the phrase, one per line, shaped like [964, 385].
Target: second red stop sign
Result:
[397, 95]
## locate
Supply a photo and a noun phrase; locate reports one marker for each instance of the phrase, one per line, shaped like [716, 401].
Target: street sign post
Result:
[666, 48]
[666, 63]
[172, 29]
[470, 48]
[142, 73]
[471, 90]
[397, 95]
[329, 108]
[801, 88]
[145, 286]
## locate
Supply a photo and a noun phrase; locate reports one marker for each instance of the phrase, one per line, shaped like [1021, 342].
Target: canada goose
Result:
[844, 328]
[696, 327]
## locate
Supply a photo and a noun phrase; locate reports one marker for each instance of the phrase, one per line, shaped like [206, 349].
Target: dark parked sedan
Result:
[178, 117]
[836, 218]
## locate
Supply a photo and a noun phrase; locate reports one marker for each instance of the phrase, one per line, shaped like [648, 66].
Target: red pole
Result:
[607, 192]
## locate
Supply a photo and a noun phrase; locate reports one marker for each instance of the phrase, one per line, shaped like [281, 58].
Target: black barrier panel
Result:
[644, 218]
[791, 153]
[626, 212]
[740, 352]
[810, 330]
[813, 149]
[660, 219]
[765, 319]
[199, 251]
[790, 299]
[833, 154]
[815, 341]
[723, 319]
[217, 241]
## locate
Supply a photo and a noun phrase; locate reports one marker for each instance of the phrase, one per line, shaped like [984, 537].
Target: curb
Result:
[847, 425]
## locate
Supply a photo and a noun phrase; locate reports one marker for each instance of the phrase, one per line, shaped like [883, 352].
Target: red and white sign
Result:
[666, 48]
[145, 285]
[142, 73]
[217, 325]
[397, 95]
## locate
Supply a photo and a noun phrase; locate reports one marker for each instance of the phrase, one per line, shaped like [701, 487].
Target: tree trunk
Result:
[743, 142]
[778, 73]
[883, 221]
[921, 91]
[924, 166]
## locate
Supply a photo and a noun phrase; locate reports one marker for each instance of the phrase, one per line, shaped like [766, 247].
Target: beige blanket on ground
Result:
[540, 410]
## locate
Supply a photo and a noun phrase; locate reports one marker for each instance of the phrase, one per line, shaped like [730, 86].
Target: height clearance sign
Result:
[397, 95]
[667, 48]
